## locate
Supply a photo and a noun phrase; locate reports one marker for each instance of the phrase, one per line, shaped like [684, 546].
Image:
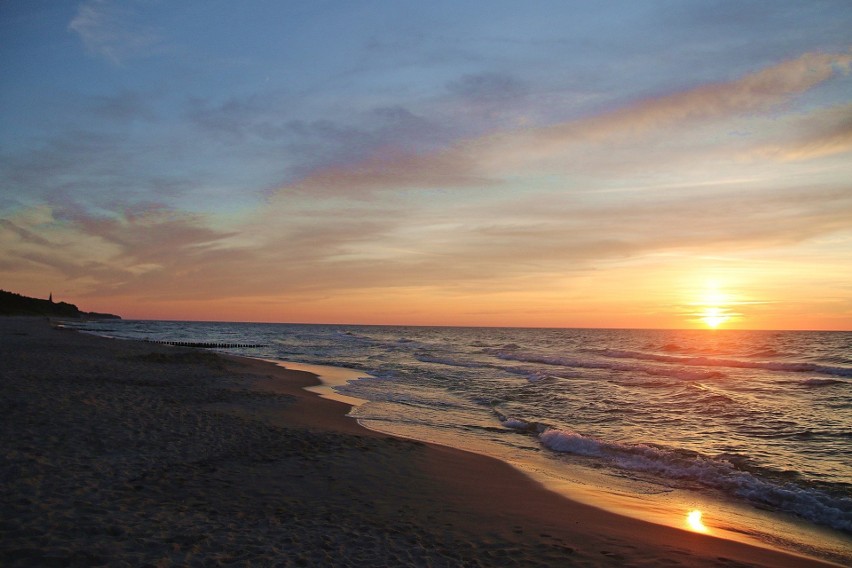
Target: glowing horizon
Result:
[575, 165]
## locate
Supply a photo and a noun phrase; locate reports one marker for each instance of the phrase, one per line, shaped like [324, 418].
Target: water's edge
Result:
[497, 392]
[583, 487]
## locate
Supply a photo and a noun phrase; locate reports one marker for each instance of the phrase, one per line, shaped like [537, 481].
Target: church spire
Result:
[50, 298]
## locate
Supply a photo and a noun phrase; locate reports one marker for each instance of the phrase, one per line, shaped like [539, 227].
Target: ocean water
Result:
[754, 427]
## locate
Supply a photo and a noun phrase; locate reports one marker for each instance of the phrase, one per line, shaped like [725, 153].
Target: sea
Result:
[753, 429]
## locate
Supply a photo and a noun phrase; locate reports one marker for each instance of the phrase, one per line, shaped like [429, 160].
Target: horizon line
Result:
[707, 329]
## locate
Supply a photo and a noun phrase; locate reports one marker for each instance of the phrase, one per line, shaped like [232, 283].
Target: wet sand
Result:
[120, 453]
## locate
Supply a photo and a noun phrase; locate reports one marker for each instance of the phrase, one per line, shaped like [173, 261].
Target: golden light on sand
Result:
[693, 521]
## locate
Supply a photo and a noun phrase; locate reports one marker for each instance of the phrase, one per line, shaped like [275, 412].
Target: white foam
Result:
[792, 367]
[718, 473]
[683, 374]
[515, 424]
[571, 442]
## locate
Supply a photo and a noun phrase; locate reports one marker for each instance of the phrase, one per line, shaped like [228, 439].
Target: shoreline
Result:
[609, 500]
[173, 456]
[722, 518]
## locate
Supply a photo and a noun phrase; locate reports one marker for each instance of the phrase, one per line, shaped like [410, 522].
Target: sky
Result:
[655, 164]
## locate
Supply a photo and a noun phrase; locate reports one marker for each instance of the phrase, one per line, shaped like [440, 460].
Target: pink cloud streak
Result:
[482, 161]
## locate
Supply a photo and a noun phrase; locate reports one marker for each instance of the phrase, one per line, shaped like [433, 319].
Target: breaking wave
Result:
[721, 473]
[792, 367]
[685, 374]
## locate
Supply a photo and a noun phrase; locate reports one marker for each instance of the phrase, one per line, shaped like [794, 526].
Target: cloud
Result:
[123, 106]
[390, 169]
[118, 151]
[112, 31]
[485, 161]
[71, 152]
[701, 195]
[488, 88]
[23, 234]
[823, 133]
[148, 233]
[755, 92]
[497, 244]
[268, 126]
[34, 244]
[155, 252]
[94, 168]
[107, 254]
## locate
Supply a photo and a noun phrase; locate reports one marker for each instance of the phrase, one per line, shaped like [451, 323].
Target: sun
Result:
[712, 306]
[694, 522]
[714, 316]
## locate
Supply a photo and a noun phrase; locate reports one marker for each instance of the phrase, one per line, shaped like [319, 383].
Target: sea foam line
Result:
[604, 365]
[717, 473]
[793, 367]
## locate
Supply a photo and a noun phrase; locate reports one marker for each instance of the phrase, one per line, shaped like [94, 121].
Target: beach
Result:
[122, 453]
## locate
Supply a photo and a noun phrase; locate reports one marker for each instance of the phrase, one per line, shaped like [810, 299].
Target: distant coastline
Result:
[12, 304]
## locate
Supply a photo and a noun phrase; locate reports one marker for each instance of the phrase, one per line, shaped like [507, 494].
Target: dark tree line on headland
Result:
[12, 304]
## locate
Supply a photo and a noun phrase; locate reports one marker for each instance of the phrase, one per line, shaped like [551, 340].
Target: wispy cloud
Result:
[112, 253]
[755, 92]
[124, 106]
[113, 31]
[826, 132]
[486, 161]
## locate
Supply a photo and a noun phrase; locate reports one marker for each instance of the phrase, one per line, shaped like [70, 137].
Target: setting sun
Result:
[713, 306]
[714, 317]
[693, 520]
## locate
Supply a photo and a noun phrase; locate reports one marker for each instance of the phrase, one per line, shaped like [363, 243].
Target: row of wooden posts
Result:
[206, 344]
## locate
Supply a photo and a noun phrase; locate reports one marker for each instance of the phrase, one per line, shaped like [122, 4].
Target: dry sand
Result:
[121, 453]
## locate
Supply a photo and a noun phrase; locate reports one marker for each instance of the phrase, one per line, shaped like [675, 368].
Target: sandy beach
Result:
[119, 453]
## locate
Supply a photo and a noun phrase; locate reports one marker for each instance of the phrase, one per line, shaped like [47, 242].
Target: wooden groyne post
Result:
[206, 344]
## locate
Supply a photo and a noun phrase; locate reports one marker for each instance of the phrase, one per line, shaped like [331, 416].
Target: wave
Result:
[375, 389]
[709, 397]
[821, 382]
[841, 359]
[533, 376]
[536, 376]
[390, 344]
[718, 473]
[764, 353]
[605, 365]
[515, 424]
[653, 384]
[793, 367]
[351, 336]
[449, 362]
[521, 425]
